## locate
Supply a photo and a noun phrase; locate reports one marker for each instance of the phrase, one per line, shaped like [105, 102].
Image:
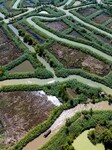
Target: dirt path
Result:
[40, 141]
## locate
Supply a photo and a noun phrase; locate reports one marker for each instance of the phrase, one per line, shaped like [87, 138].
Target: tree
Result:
[91, 111]
[21, 33]
[106, 138]
[37, 3]
[68, 122]
[110, 100]
[63, 92]
[66, 130]
[30, 41]
[71, 147]
[40, 49]
[2, 70]
[101, 135]
[26, 38]
[66, 147]
[71, 102]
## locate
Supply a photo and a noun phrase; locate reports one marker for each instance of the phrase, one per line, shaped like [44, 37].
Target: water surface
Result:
[25, 66]
[83, 143]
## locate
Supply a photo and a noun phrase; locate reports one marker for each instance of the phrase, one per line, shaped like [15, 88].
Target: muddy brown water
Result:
[60, 121]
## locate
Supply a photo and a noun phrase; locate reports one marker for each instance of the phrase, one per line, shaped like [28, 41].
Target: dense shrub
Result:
[78, 126]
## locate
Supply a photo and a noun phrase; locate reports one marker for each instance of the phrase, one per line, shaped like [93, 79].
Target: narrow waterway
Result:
[15, 6]
[68, 2]
[51, 80]
[60, 121]
[2, 15]
[40, 141]
[89, 48]
[99, 1]
[36, 81]
[82, 22]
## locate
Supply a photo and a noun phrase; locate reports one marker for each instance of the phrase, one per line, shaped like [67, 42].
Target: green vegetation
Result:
[76, 126]
[55, 89]
[6, 8]
[2, 70]
[102, 135]
[82, 61]
[40, 70]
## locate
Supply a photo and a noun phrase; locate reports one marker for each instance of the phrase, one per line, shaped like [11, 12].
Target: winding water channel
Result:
[55, 79]
[60, 121]
[89, 48]
[51, 80]
[15, 6]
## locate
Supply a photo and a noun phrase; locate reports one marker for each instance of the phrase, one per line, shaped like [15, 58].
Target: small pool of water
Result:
[25, 66]
[83, 143]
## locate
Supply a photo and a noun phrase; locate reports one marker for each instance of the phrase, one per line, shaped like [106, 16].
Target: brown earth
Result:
[73, 59]
[87, 11]
[8, 50]
[20, 112]
[57, 25]
[102, 18]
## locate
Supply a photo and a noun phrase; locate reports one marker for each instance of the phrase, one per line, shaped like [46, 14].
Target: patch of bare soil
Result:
[102, 18]
[105, 40]
[8, 50]
[3, 37]
[73, 59]
[20, 112]
[87, 11]
[57, 25]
